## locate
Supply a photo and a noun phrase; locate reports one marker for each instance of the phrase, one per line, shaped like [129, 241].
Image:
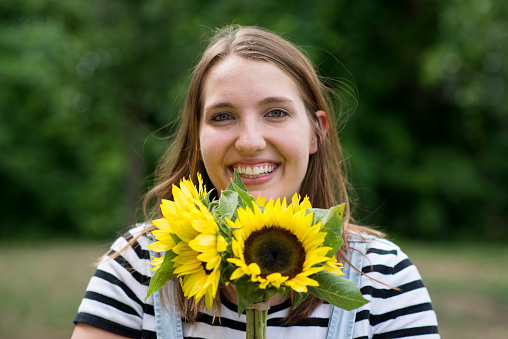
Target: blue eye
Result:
[221, 117]
[277, 113]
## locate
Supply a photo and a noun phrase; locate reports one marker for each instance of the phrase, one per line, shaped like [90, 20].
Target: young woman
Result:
[255, 104]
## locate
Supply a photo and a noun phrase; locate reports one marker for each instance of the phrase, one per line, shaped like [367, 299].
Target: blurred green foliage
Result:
[88, 89]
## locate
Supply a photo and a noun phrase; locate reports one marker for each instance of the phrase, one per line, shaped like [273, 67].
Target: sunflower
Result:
[184, 197]
[190, 231]
[198, 254]
[279, 246]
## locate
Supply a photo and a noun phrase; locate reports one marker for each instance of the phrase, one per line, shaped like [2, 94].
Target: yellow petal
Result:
[156, 262]
[209, 301]
[238, 273]
[222, 244]
[254, 269]
[162, 224]
[203, 242]
[260, 200]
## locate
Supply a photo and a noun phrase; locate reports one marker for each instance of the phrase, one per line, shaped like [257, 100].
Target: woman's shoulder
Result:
[373, 242]
[398, 298]
[379, 252]
[130, 249]
[116, 294]
[386, 266]
[138, 236]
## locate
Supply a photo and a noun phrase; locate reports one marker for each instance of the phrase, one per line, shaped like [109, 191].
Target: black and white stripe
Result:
[115, 297]
[393, 313]
[115, 301]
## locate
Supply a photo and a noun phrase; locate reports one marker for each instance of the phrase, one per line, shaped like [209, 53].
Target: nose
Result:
[250, 138]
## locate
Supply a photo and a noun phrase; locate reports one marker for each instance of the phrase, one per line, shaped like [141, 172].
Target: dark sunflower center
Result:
[275, 249]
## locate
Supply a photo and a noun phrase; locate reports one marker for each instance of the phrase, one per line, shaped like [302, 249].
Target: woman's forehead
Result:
[236, 77]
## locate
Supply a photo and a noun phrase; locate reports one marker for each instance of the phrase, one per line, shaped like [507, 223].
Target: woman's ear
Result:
[323, 121]
[324, 124]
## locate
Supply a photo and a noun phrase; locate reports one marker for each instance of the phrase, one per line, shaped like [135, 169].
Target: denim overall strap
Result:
[167, 320]
[342, 322]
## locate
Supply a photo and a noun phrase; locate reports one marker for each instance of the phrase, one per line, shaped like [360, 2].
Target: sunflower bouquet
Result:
[261, 247]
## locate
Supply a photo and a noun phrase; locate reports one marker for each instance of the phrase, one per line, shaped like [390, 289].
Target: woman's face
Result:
[254, 121]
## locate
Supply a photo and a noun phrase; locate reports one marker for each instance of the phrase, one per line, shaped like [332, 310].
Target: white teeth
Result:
[255, 172]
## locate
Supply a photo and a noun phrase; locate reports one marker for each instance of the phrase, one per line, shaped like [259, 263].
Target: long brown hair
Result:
[325, 182]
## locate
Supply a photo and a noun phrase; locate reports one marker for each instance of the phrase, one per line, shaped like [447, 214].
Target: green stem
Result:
[256, 324]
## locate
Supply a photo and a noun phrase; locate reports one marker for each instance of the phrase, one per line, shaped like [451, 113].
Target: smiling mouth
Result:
[251, 172]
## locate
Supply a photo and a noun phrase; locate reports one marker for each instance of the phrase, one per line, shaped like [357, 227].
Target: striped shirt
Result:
[115, 300]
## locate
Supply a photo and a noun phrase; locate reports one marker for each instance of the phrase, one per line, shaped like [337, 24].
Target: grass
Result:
[41, 287]
[468, 285]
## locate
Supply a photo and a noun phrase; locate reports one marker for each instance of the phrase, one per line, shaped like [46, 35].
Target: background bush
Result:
[86, 87]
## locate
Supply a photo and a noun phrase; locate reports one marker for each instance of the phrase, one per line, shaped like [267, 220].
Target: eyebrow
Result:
[219, 105]
[276, 100]
[265, 101]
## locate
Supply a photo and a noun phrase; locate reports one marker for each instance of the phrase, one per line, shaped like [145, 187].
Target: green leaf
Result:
[163, 274]
[237, 181]
[337, 290]
[300, 297]
[246, 198]
[324, 215]
[283, 292]
[248, 293]
[331, 223]
[206, 199]
[238, 186]
[224, 228]
[269, 292]
[175, 238]
[213, 205]
[228, 203]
